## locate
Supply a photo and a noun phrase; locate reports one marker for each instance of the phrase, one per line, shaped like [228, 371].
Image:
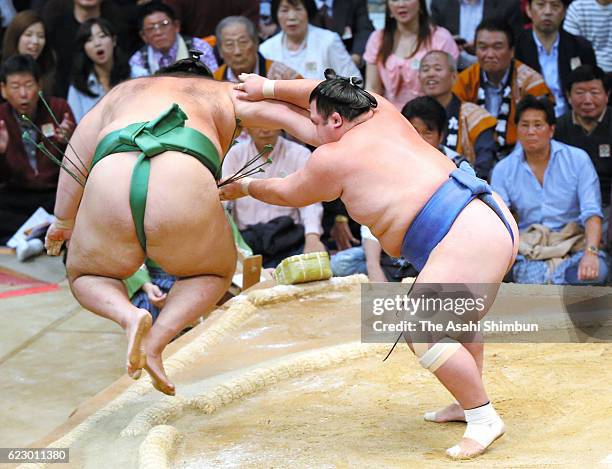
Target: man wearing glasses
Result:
[159, 29]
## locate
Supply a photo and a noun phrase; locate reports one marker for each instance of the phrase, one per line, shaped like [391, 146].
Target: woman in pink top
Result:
[393, 54]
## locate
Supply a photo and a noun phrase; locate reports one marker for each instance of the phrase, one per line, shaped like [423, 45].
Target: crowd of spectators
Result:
[519, 89]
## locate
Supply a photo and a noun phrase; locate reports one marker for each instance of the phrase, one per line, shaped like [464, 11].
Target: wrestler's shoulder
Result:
[327, 154]
[203, 91]
[335, 156]
[144, 83]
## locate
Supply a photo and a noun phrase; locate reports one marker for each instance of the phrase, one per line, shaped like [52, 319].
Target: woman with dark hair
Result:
[393, 54]
[305, 48]
[26, 35]
[98, 65]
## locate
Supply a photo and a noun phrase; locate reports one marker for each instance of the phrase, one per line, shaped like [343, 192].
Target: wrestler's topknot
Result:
[344, 95]
[187, 67]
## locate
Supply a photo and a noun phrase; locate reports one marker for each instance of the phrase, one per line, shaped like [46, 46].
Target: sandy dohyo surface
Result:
[287, 384]
[368, 413]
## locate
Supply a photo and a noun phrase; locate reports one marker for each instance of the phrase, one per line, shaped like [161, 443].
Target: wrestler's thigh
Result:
[104, 239]
[185, 225]
[444, 269]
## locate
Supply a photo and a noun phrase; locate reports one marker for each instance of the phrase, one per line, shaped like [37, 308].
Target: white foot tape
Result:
[484, 426]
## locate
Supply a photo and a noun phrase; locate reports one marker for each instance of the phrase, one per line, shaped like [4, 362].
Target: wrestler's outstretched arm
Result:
[317, 181]
[296, 92]
[69, 192]
[270, 114]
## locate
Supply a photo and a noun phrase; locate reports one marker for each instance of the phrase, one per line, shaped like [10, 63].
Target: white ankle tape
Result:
[483, 425]
[483, 414]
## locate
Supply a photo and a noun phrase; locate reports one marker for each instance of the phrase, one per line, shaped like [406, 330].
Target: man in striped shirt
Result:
[593, 20]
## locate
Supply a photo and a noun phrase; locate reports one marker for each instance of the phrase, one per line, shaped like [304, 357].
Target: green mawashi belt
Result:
[166, 132]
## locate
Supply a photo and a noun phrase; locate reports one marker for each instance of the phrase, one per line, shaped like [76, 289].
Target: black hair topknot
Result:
[344, 95]
[190, 66]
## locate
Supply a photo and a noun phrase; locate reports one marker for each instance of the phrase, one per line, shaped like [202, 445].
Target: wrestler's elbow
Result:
[313, 140]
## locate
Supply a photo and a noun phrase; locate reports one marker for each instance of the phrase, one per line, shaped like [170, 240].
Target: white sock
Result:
[483, 426]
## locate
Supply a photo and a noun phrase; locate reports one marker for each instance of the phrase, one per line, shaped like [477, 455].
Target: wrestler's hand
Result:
[55, 237]
[234, 190]
[252, 87]
[588, 269]
[155, 295]
[341, 234]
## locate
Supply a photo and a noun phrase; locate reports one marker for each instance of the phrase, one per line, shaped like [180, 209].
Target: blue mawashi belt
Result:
[435, 219]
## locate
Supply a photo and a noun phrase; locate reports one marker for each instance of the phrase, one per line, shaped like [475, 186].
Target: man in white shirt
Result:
[286, 158]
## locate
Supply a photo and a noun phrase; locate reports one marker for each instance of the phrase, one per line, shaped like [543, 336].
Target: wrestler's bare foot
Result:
[469, 447]
[137, 328]
[451, 413]
[155, 368]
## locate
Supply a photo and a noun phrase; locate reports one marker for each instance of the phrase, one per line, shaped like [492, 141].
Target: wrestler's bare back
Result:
[184, 221]
[388, 201]
[206, 102]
